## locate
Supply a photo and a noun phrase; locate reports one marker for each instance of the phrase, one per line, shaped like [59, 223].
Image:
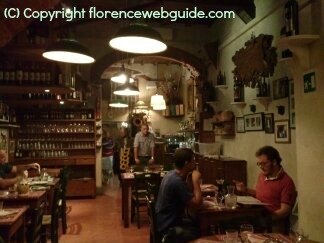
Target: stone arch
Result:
[172, 53]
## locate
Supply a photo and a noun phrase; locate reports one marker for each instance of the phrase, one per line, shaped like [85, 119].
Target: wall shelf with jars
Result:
[59, 137]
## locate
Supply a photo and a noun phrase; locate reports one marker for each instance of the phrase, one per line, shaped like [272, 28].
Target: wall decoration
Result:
[262, 60]
[282, 131]
[280, 88]
[268, 123]
[309, 82]
[254, 122]
[4, 143]
[292, 114]
[240, 127]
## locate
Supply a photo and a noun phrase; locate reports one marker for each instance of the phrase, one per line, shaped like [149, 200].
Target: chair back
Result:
[64, 177]
[154, 234]
[34, 232]
[142, 180]
[55, 212]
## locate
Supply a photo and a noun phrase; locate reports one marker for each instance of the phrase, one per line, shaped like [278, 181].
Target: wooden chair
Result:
[154, 234]
[35, 226]
[139, 192]
[51, 221]
[64, 177]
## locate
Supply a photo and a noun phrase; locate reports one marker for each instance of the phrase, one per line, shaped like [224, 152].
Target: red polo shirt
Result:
[275, 191]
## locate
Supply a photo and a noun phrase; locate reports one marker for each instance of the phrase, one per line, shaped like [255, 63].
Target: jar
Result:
[230, 198]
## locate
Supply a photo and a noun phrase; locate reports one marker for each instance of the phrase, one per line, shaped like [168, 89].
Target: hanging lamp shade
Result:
[158, 102]
[118, 104]
[127, 89]
[70, 51]
[138, 38]
[121, 78]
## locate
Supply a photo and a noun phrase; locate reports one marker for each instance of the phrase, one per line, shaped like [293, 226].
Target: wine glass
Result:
[245, 229]
[131, 169]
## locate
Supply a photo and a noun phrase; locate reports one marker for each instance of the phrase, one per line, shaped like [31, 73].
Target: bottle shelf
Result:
[58, 149]
[56, 120]
[19, 89]
[27, 103]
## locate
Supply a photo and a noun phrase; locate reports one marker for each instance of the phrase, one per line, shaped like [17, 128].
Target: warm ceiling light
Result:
[118, 104]
[158, 102]
[121, 78]
[70, 51]
[138, 38]
[127, 89]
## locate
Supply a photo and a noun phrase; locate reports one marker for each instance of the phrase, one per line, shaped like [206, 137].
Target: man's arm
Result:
[196, 200]
[136, 144]
[241, 187]
[282, 212]
[6, 183]
[18, 169]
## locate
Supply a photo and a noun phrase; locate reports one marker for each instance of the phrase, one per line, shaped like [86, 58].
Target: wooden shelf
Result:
[16, 89]
[299, 46]
[265, 101]
[9, 125]
[62, 120]
[221, 86]
[297, 40]
[26, 103]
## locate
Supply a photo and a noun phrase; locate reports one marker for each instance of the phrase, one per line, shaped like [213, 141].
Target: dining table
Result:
[39, 192]
[12, 224]
[253, 238]
[212, 213]
[127, 181]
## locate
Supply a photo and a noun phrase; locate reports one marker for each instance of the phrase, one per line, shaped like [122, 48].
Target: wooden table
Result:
[13, 225]
[212, 215]
[127, 180]
[221, 238]
[32, 199]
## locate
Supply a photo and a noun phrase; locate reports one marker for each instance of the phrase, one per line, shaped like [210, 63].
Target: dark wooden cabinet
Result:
[228, 169]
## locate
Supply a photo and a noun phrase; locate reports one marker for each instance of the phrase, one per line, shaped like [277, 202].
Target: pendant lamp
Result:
[158, 102]
[68, 50]
[138, 38]
[127, 89]
[118, 104]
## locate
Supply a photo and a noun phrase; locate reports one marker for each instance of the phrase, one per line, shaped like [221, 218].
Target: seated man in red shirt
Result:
[274, 186]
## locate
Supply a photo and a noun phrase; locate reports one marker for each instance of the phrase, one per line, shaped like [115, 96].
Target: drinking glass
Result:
[131, 169]
[245, 229]
[231, 236]
[146, 169]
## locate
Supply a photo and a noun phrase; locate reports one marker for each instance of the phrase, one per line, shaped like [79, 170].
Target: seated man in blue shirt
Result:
[179, 189]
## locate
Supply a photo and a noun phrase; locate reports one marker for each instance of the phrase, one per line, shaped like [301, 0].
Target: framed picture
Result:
[280, 88]
[11, 146]
[282, 131]
[254, 122]
[240, 127]
[292, 115]
[4, 143]
[268, 123]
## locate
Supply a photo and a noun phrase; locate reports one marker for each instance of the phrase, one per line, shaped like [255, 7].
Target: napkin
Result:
[6, 212]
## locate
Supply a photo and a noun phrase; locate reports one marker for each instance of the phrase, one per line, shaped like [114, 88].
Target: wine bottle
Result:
[264, 88]
[258, 89]
[291, 18]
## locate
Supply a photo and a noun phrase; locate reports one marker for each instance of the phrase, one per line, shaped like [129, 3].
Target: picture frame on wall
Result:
[280, 88]
[254, 122]
[292, 114]
[268, 123]
[4, 145]
[240, 126]
[282, 131]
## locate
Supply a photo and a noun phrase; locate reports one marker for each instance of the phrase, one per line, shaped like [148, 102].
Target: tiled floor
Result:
[99, 220]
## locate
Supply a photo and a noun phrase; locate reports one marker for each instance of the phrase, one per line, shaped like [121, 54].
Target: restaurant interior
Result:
[221, 86]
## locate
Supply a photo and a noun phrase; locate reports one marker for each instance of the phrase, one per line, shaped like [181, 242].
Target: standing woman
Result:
[107, 156]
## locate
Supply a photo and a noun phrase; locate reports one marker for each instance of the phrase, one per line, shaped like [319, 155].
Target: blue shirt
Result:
[5, 169]
[173, 197]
